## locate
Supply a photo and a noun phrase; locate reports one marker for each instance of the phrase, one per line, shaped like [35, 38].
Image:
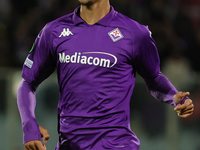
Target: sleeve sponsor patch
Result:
[28, 62]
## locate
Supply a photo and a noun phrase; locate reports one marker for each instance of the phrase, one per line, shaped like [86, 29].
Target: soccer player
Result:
[96, 52]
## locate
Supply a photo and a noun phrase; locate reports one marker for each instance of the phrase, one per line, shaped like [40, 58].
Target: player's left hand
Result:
[187, 108]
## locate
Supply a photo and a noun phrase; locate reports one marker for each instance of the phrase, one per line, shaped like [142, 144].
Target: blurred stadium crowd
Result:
[174, 24]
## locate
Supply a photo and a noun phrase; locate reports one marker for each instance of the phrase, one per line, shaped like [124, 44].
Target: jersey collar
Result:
[104, 21]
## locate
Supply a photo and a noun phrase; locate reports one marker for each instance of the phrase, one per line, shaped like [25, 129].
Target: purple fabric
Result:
[96, 67]
[26, 103]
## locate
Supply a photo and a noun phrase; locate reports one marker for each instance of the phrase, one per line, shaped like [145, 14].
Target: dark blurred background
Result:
[175, 26]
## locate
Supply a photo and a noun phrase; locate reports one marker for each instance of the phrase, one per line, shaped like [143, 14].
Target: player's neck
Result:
[95, 12]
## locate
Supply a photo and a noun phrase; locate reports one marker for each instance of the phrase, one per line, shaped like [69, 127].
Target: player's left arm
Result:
[147, 64]
[187, 108]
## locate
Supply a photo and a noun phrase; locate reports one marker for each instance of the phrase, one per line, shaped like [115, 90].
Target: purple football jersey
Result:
[96, 67]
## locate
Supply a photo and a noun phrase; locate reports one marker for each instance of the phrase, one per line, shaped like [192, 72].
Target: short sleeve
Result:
[41, 61]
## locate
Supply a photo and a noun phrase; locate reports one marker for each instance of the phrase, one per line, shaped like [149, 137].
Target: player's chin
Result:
[86, 2]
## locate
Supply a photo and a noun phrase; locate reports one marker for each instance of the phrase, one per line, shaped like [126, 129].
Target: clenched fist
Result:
[187, 108]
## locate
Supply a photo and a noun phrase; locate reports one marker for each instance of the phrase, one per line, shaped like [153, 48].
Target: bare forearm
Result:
[26, 101]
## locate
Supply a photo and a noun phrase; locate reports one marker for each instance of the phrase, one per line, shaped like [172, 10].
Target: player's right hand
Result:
[37, 145]
[44, 134]
[34, 145]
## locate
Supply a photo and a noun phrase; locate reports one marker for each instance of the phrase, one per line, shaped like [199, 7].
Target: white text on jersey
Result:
[90, 60]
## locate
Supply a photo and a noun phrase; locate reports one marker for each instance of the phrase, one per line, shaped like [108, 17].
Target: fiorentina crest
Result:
[115, 35]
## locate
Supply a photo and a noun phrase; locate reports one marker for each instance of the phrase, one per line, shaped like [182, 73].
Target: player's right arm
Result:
[37, 144]
[39, 64]
[26, 101]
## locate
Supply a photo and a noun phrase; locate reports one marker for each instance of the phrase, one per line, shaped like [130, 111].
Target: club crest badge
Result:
[115, 35]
